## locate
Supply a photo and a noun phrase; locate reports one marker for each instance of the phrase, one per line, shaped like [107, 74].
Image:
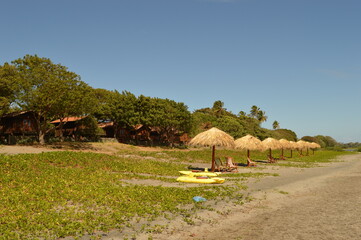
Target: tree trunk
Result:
[213, 158]
[116, 135]
[39, 129]
[61, 135]
[41, 137]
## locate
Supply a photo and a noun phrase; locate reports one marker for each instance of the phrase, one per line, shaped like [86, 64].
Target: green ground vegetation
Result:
[58, 194]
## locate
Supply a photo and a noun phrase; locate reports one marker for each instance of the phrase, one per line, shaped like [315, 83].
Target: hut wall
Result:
[22, 124]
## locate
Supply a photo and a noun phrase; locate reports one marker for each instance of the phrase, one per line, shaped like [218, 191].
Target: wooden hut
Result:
[17, 125]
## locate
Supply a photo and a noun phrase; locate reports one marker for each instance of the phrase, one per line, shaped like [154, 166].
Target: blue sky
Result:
[298, 60]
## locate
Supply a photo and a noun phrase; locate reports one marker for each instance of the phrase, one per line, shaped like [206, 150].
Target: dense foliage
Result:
[237, 126]
[324, 141]
[52, 92]
[49, 90]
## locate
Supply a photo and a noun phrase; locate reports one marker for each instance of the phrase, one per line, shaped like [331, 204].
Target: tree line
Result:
[51, 91]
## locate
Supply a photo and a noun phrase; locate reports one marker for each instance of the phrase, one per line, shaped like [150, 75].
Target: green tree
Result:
[258, 114]
[8, 87]
[276, 125]
[218, 108]
[202, 121]
[116, 107]
[231, 126]
[309, 139]
[282, 133]
[242, 113]
[261, 117]
[169, 116]
[78, 100]
[254, 111]
[326, 141]
[44, 89]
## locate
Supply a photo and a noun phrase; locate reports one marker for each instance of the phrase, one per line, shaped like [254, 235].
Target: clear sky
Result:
[298, 60]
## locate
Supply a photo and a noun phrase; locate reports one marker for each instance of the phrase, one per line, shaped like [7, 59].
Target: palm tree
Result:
[276, 125]
[261, 117]
[254, 111]
[218, 108]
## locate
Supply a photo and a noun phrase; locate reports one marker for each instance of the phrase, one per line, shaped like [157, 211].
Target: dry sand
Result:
[315, 203]
[15, 149]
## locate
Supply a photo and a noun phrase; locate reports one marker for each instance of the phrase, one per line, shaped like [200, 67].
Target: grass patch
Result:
[59, 194]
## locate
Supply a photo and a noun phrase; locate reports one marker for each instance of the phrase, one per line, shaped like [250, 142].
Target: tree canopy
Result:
[236, 126]
[48, 90]
[52, 92]
[8, 87]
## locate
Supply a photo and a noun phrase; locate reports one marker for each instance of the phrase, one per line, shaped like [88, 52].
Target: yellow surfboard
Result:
[190, 179]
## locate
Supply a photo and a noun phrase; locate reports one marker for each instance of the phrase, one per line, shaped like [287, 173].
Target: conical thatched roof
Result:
[271, 143]
[213, 137]
[315, 145]
[293, 145]
[248, 143]
[285, 144]
[302, 144]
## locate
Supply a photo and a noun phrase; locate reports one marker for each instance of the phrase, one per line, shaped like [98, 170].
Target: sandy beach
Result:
[315, 203]
[312, 203]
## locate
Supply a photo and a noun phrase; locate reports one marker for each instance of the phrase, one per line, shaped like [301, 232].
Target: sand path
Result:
[317, 203]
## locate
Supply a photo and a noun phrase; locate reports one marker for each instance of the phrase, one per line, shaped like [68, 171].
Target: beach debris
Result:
[199, 199]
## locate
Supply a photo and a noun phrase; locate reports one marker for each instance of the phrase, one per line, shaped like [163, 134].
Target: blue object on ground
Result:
[199, 199]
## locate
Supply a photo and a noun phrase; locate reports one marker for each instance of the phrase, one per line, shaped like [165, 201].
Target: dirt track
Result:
[22, 149]
[318, 203]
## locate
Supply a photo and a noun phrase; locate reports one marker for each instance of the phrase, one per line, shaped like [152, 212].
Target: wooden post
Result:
[213, 158]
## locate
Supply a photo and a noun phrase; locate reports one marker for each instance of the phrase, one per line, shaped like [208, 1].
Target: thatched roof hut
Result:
[271, 144]
[293, 145]
[314, 145]
[285, 145]
[302, 145]
[248, 143]
[213, 137]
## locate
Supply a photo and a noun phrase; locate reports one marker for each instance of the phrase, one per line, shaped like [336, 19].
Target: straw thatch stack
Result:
[285, 145]
[271, 144]
[293, 145]
[213, 137]
[301, 145]
[249, 143]
[315, 145]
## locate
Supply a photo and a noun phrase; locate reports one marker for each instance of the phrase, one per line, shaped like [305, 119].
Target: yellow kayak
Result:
[209, 174]
[190, 179]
